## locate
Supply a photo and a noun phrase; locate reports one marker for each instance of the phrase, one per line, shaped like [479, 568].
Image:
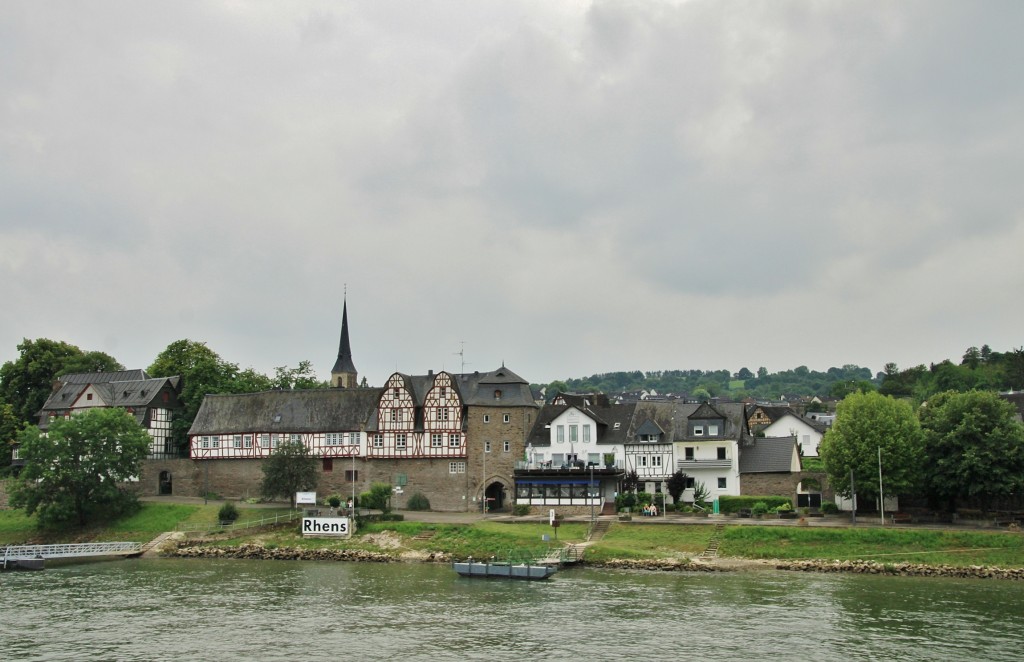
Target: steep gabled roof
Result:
[770, 455]
[649, 427]
[706, 411]
[316, 410]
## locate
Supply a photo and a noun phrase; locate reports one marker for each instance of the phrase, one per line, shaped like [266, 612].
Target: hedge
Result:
[732, 504]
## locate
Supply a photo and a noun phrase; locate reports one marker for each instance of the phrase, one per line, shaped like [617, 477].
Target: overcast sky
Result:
[566, 187]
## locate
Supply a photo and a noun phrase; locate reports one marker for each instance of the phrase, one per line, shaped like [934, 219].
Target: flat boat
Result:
[503, 569]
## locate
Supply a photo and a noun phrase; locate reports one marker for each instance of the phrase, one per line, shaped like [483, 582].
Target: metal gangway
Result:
[68, 551]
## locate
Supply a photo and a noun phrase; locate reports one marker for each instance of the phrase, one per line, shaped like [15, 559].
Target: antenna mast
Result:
[462, 355]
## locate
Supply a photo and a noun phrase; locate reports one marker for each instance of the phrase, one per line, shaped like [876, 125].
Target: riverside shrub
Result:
[732, 504]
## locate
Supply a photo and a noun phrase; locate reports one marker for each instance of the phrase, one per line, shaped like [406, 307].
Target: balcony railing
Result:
[704, 464]
[522, 465]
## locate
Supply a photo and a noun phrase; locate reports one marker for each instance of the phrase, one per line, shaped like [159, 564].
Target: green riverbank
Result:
[623, 541]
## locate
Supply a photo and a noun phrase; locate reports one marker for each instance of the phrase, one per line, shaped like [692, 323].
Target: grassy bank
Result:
[623, 540]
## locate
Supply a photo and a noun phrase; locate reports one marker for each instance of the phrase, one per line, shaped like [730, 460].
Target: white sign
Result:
[305, 498]
[326, 527]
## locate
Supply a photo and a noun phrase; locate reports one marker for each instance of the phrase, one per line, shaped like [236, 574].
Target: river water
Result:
[192, 609]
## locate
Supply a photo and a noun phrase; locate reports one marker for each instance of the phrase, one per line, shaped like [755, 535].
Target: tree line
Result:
[27, 381]
[705, 384]
[958, 448]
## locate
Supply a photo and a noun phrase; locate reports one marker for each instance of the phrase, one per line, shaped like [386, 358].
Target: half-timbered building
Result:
[152, 400]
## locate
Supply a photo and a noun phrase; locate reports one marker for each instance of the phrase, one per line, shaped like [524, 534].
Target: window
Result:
[394, 415]
[497, 395]
[712, 430]
[216, 441]
[378, 441]
[16, 455]
[574, 432]
[436, 440]
[394, 393]
[456, 467]
[296, 437]
[487, 418]
[247, 440]
[641, 460]
[487, 447]
[328, 464]
[400, 441]
[444, 392]
[721, 483]
[442, 413]
[236, 441]
[264, 440]
[454, 441]
[506, 418]
[689, 453]
[88, 396]
[721, 452]
[690, 482]
[698, 430]
[205, 442]
[351, 476]
[560, 433]
[655, 460]
[506, 446]
[617, 425]
[274, 439]
[586, 433]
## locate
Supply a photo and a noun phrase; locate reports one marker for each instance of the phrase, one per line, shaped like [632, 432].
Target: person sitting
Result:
[654, 510]
[647, 509]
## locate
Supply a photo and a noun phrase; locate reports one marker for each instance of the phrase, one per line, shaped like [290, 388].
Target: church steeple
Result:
[344, 374]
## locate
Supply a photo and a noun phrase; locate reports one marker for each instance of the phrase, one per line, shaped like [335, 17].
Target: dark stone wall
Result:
[782, 484]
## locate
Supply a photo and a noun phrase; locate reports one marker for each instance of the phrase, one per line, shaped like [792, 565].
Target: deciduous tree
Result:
[77, 471]
[866, 423]
[288, 470]
[974, 448]
[26, 382]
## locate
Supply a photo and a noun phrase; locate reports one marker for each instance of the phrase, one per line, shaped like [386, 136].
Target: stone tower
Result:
[343, 374]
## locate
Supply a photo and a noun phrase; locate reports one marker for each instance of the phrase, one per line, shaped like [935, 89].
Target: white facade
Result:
[792, 426]
[713, 462]
[573, 439]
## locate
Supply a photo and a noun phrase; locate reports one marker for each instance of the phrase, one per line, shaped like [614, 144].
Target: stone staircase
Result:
[425, 534]
[711, 552]
[598, 530]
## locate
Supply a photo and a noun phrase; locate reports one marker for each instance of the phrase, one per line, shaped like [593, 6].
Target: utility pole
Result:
[881, 497]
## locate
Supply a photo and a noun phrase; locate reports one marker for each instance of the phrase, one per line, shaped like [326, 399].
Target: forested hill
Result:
[835, 382]
[982, 369]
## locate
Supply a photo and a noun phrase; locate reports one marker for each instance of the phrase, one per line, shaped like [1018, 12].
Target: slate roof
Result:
[344, 362]
[768, 455]
[773, 412]
[131, 389]
[634, 418]
[315, 410]
[478, 389]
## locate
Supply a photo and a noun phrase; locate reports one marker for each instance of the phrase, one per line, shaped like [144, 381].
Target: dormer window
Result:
[712, 430]
[698, 430]
[497, 394]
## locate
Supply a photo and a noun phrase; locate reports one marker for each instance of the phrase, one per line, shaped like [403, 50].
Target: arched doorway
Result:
[165, 483]
[495, 495]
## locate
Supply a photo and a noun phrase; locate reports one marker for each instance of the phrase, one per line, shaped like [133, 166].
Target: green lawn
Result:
[995, 548]
[646, 541]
